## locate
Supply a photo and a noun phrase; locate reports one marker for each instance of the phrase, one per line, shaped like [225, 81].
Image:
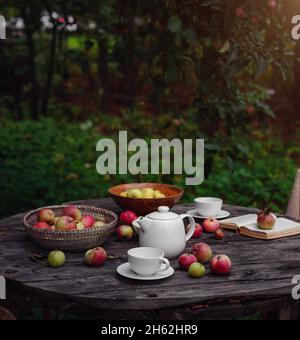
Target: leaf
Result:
[38, 258]
[266, 109]
[243, 148]
[175, 24]
[225, 48]
[190, 36]
[230, 163]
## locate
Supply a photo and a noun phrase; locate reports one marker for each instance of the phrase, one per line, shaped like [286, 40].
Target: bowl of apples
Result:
[144, 198]
[69, 227]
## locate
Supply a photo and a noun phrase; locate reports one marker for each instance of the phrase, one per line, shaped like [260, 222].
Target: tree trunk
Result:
[48, 85]
[103, 71]
[296, 90]
[12, 82]
[31, 54]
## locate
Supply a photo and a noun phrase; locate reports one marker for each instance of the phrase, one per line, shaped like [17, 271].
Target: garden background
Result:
[73, 72]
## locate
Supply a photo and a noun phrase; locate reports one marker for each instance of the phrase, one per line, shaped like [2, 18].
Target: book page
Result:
[282, 225]
[241, 221]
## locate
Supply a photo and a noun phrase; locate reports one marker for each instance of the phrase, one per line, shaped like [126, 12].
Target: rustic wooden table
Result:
[260, 281]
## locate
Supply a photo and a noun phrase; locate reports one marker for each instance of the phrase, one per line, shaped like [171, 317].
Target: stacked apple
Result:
[71, 219]
[125, 231]
[202, 254]
[143, 193]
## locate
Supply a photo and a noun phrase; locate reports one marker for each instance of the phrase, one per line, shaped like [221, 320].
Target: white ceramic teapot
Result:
[164, 230]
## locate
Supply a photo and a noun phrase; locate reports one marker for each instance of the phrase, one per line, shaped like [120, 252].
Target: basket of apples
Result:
[70, 228]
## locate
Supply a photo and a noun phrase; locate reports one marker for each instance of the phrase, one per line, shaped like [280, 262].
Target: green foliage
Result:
[47, 162]
[202, 46]
[204, 62]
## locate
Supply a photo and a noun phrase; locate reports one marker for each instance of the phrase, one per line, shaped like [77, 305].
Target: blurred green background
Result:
[72, 73]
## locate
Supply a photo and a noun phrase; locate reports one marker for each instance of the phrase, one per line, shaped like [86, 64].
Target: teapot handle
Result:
[191, 230]
[136, 226]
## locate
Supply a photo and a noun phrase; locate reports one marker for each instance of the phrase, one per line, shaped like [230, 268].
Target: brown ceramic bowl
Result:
[143, 206]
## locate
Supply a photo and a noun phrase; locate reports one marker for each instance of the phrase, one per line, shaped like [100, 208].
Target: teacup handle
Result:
[167, 263]
[191, 230]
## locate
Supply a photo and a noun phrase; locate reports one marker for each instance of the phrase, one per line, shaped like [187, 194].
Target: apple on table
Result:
[211, 225]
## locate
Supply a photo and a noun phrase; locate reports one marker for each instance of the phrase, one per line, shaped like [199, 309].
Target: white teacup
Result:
[147, 261]
[209, 206]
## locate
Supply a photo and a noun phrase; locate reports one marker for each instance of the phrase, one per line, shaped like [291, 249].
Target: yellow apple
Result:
[135, 193]
[158, 194]
[148, 192]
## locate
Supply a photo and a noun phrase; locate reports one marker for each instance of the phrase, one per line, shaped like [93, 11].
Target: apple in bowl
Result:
[145, 198]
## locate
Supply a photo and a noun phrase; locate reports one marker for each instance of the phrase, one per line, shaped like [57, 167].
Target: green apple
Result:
[56, 259]
[124, 194]
[197, 270]
[135, 193]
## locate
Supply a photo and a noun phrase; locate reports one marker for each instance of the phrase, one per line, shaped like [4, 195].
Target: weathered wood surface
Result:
[261, 271]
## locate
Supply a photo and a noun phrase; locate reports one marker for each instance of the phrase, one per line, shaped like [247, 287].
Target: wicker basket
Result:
[75, 240]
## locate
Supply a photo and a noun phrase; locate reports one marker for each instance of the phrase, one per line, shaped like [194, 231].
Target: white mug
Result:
[147, 261]
[208, 206]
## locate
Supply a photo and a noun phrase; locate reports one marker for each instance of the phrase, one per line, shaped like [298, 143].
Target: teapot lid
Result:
[163, 213]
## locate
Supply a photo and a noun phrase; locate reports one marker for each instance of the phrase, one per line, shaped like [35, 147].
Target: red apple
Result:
[266, 220]
[221, 265]
[88, 221]
[73, 212]
[198, 231]
[272, 4]
[219, 235]
[65, 223]
[125, 233]
[186, 260]
[240, 13]
[127, 217]
[72, 226]
[42, 225]
[47, 216]
[251, 109]
[202, 252]
[95, 257]
[211, 225]
[61, 20]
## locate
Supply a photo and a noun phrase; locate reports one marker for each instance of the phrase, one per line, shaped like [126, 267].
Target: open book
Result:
[247, 225]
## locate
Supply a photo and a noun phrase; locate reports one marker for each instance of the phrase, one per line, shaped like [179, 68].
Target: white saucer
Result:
[125, 270]
[221, 215]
